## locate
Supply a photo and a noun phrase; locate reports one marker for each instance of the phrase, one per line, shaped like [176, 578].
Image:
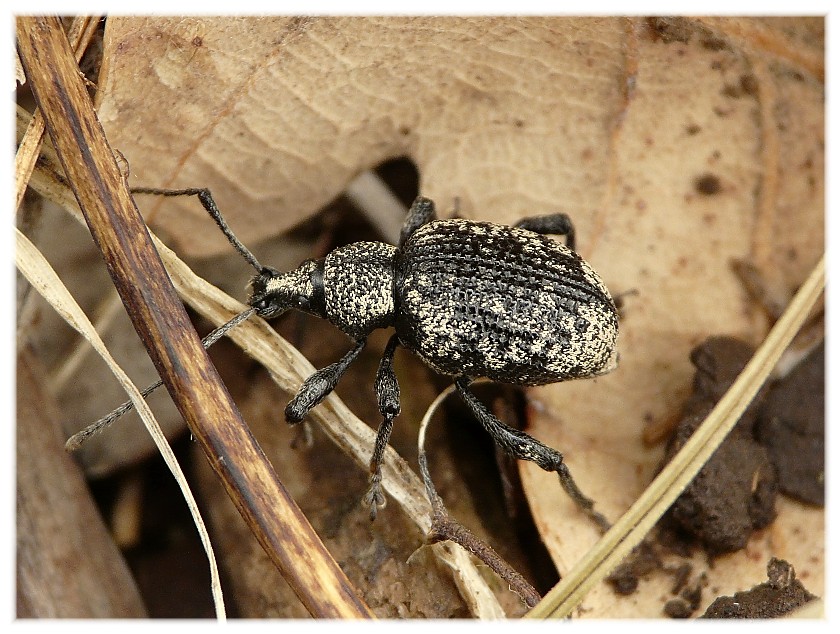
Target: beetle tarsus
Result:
[374, 498]
[318, 386]
[586, 504]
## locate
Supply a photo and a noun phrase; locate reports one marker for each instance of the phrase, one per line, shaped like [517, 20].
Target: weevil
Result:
[472, 299]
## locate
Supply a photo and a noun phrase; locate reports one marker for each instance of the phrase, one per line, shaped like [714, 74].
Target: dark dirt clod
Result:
[677, 609]
[791, 426]
[779, 436]
[690, 595]
[719, 361]
[735, 491]
[694, 593]
[773, 598]
[732, 495]
[642, 560]
[681, 576]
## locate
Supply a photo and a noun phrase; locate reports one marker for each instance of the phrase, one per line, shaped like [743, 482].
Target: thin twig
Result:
[446, 528]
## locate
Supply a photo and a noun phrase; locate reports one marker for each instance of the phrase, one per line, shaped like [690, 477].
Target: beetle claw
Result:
[374, 498]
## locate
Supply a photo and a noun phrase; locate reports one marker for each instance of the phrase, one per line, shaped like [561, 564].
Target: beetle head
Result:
[273, 292]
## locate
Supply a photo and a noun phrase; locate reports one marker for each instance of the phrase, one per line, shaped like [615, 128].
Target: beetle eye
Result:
[262, 306]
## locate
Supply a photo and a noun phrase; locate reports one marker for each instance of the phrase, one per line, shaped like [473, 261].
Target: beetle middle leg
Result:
[520, 445]
[388, 397]
[318, 386]
[553, 224]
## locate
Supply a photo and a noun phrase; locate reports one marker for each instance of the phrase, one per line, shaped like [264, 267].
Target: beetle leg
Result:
[554, 224]
[520, 445]
[388, 395]
[422, 212]
[318, 386]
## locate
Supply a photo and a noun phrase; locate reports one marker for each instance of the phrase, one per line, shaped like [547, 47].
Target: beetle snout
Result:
[264, 293]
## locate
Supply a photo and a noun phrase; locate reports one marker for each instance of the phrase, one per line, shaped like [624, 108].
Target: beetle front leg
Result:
[318, 386]
[520, 445]
[388, 396]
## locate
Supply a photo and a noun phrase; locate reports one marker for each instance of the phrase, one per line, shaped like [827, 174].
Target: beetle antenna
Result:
[76, 440]
[206, 200]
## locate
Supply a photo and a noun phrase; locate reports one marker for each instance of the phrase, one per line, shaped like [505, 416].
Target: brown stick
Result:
[445, 528]
[81, 32]
[163, 325]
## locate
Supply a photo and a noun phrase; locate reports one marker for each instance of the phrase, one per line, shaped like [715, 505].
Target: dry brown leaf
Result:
[277, 115]
[67, 565]
[674, 144]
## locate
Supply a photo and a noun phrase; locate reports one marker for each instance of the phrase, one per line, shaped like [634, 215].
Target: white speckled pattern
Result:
[480, 299]
[359, 287]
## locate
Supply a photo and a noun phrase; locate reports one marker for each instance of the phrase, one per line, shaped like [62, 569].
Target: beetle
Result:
[472, 299]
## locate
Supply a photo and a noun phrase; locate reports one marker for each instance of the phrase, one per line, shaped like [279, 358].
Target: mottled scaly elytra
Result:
[471, 299]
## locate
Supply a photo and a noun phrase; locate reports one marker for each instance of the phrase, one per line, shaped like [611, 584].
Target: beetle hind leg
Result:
[552, 224]
[388, 397]
[520, 445]
[422, 212]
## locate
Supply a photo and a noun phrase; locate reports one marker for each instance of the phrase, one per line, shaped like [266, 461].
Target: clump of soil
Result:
[735, 492]
[778, 445]
[791, 426]
[642, 561]
[781, 593]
